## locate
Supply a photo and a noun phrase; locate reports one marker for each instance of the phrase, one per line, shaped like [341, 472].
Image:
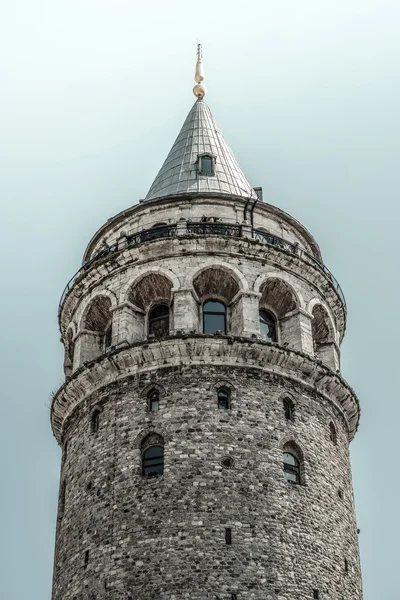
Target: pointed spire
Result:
[199, 138]
[199, 89]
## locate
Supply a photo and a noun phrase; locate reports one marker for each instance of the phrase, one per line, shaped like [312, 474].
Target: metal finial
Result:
[199, 89]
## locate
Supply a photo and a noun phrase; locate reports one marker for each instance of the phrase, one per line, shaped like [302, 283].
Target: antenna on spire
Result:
[199, 89]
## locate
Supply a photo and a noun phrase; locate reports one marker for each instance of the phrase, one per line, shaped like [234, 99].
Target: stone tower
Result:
[204, 422]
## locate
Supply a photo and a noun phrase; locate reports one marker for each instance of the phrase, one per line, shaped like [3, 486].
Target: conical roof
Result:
[179, 174]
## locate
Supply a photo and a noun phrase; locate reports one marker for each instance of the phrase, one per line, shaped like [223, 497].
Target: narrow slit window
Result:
[316, 594]
[154, 401]
[95, 421]
[86, 559]
[228, 536]
[291, 467]
[288, 410]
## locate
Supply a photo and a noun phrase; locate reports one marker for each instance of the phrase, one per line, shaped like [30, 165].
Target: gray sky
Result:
[93, 94]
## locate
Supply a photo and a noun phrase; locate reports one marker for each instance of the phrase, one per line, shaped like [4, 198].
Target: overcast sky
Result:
[93, 94]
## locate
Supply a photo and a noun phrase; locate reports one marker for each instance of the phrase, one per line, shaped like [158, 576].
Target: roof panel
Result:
[178, 175]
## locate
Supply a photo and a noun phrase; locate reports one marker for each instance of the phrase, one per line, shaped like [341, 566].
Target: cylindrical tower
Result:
[204, 421]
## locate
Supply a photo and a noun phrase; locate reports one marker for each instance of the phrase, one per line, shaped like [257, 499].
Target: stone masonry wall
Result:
[123, 536]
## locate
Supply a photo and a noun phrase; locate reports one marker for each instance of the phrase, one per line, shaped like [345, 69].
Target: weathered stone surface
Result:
[125, 536]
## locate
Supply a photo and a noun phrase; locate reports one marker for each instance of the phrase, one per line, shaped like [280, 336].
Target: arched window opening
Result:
[95, 420]
[332, 433]
[223, 399]
[108, 336]
[268, 326]
[214, 317]
[153, 461]
[159, 321]
[154, 401]
[288, 409]
[70, 346]
[291, 467]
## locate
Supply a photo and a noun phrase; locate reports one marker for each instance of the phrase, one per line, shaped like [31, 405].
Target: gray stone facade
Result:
[221, 521]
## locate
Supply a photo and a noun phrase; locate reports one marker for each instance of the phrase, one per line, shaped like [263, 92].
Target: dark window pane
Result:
[291, 467]
[153, 461]
[223, 399]
[154, 451]
[287, 407]
[159, 321]
[207, 166]
[214, 307]
[268, 326]
[214, 317]
[214, 323]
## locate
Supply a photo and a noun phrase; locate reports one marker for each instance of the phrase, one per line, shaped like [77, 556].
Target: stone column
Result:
[128, 324]
[295, 329]
[244, 311]
[328, 353]
[186, 316]
[87, 347]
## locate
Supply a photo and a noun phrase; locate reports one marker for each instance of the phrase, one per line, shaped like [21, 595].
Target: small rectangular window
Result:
[206, 164]
[86, 560]
[316, 595]
[233, 596]
[228, 536]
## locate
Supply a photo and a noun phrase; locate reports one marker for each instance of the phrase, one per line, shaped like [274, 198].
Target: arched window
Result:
[223, 399]
[153, 461]
[268, 326]
[291, 467]
[288, 409]
[159, 321]
[95, 420]
[214, 317]
[332, 433]
[154, 401]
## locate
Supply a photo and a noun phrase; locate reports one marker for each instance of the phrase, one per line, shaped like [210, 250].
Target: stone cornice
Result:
[214, 199]
[199, 350]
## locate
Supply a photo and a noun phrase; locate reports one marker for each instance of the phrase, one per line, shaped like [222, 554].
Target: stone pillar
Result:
[244, 312]
[328, 353]
[181, 228]
[128, 324]
[246, 229]
[186, 316]
[295, 329]
[87, 347]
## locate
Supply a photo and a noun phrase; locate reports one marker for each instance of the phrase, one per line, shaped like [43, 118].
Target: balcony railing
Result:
[201, 227]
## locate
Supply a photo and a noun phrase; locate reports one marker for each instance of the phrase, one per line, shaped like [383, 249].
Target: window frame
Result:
[275, 321]
[161, 463]
[224, 313]
[200, 159]
[288, 409]
[153, 396]
[151, 320]
[223, 390]
[289, 469]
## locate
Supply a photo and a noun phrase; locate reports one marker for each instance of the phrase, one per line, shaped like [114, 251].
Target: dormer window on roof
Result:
[206, 165]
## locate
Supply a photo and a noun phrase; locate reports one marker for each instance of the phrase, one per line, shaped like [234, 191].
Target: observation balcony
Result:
[203, 227]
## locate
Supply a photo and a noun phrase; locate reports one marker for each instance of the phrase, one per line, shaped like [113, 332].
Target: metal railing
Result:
[213, 228]
[274, 240]
[200, 227]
